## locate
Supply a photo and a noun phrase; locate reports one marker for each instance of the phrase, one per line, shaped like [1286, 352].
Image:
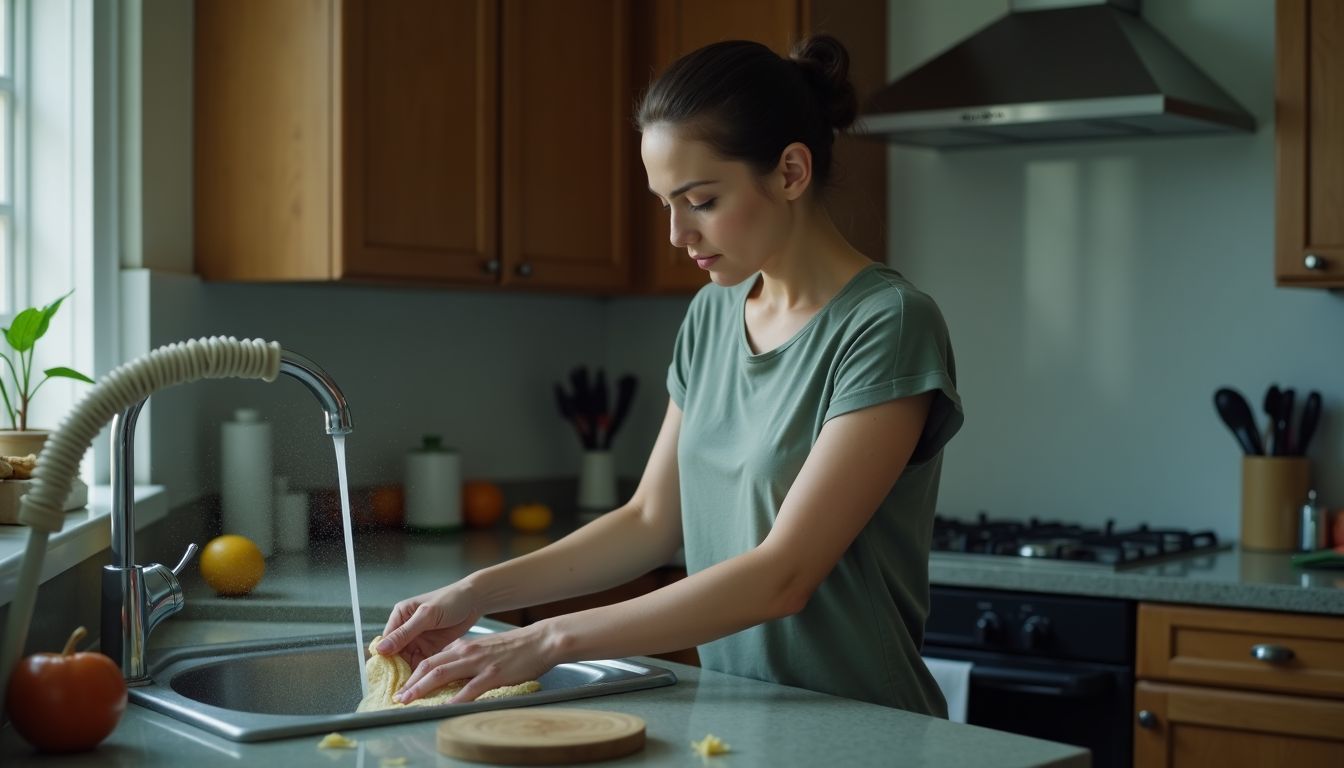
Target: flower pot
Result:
[21, 442]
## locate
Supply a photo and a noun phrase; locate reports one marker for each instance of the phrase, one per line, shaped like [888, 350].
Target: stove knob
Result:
[988, 628]
[1035, 633]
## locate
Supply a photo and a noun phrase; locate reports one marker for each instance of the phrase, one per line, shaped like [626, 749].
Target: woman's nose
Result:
[681, 235]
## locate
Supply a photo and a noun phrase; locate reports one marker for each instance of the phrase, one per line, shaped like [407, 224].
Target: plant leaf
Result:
[24, 331]
[47, 312]
[67, 373]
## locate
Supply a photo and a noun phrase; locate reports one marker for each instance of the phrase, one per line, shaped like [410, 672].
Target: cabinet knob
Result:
[524, 270]
[1274, 654]
[1314, 262]
[1147, 719]
[490, 267]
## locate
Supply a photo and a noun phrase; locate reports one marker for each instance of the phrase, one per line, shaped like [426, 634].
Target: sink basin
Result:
[254, 691]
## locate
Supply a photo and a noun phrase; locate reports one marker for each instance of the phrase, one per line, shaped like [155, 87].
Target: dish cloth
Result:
[954, 677]
[388, 673]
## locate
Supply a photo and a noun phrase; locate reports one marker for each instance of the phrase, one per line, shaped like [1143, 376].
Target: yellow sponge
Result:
[388, 673]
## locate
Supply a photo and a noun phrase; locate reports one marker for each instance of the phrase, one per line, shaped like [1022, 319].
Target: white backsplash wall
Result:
[475, 367]
[1099, 292]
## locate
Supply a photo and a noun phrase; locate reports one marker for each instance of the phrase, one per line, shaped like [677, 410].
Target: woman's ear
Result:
[795, 168]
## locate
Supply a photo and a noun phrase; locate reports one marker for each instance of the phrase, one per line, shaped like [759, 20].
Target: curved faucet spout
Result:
[323, 387]
[135, 598]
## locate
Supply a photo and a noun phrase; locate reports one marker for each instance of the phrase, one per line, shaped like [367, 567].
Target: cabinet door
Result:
[420, 148]
[682, 26]
[567, 137]
[1309, 134]
[263, 150]
[1189, 726]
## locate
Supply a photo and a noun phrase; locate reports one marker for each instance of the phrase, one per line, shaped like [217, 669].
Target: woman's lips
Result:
[705, 262]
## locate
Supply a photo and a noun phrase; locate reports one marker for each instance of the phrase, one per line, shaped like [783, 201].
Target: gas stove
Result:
[1106, 546]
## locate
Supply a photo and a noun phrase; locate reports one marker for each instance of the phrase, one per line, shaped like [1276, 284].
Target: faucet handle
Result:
[192, 549]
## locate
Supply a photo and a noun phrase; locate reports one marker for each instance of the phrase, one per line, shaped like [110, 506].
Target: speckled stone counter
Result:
[765, 725]
[1229, 578]
[310, 586]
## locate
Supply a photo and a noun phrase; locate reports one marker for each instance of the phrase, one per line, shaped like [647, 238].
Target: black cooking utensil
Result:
[1236, 414]
[601, 417]
[625, 395]
[583, 406]
[1273, 401]
[1283, 443]
[1311, 415]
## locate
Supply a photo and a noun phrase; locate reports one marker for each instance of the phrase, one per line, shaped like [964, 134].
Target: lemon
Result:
[232, 565]
[530, 518]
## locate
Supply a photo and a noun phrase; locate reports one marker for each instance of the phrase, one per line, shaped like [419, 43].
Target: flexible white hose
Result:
[217, 357]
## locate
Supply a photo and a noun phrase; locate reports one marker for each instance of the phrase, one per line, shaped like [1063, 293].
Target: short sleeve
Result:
[679, 370]
[901, 350]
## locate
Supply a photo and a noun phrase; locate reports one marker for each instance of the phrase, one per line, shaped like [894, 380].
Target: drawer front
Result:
[1289, 653]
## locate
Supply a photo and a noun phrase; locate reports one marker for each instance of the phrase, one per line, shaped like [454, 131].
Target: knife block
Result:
[1272, 491]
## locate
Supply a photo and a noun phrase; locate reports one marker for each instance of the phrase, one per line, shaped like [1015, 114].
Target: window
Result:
[9, 95]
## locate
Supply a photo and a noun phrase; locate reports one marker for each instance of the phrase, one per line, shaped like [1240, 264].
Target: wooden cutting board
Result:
[541, 736]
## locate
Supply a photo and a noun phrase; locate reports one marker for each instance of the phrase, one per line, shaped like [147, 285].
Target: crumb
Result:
[391, 762]
[336, 741]
[710, 745]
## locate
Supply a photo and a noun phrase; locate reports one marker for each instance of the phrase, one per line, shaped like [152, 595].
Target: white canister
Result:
[597, 482]
[291, 518]
[245, 483]
[433, 487]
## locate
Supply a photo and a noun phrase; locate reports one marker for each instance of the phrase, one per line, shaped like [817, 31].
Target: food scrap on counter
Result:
[336, 741]
[710, 746]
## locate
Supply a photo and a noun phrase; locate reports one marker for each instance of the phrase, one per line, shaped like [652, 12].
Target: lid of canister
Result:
[432, 443]
[247, 415]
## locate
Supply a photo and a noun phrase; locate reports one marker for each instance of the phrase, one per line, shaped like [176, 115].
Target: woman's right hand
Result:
[424, 625]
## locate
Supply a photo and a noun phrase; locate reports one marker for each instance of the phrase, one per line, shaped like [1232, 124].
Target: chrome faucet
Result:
[136, 598]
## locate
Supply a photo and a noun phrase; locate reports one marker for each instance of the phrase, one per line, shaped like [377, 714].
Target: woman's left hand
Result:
[485, 662]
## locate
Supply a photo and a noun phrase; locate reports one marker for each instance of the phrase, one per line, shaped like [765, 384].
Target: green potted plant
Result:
[20, 385]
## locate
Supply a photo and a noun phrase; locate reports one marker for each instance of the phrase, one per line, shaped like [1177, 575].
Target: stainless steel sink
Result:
[274, 689]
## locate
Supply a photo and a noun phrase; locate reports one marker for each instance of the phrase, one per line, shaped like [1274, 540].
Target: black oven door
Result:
[1086, 704]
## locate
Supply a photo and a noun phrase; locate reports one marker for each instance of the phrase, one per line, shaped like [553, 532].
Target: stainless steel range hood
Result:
[1053, 70]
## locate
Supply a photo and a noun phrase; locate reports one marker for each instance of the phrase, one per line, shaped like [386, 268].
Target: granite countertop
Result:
[1229, 578]
[764, 724]
[395, 565]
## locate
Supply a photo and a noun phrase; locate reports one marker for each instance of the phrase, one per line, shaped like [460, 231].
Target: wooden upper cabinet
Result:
[264, 110]
[1309, 136]
[567, 138]
[459, 142]
[857, 199]
[420, 149]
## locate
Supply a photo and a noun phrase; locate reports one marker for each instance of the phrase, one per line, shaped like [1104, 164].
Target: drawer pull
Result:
[1274, 654]
[1147, 719]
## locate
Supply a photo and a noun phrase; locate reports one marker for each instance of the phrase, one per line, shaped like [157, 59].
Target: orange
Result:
[530, 518]
[389, 505]
[232, 565]
[482, 503]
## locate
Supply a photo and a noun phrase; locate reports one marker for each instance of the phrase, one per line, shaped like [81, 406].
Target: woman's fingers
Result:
[430, 675]
[400, 612]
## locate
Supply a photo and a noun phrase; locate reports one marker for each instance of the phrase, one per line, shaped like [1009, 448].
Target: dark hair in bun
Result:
[748, 102]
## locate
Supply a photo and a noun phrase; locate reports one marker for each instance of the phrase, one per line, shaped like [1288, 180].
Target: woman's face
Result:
[717, 208]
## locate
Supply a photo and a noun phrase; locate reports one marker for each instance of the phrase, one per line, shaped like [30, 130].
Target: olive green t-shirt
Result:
[749, 421]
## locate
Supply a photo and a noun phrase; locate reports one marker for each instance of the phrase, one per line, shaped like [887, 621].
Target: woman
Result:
[812, 391]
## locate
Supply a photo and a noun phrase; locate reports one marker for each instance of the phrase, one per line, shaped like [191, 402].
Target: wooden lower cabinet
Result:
[1235, 688]
[1196, 726]
[640, 586]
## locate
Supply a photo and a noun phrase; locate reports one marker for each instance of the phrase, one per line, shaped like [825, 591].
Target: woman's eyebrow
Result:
[684, 188]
